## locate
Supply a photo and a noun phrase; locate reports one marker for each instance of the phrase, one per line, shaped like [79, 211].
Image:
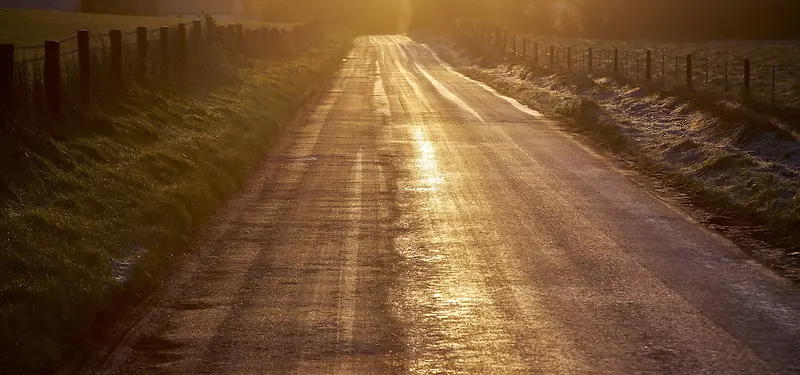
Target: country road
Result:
[416, 222]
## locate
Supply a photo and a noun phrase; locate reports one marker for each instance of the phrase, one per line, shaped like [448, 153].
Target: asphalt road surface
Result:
[419, 223]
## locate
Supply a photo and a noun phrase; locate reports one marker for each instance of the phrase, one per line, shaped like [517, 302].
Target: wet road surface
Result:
[419, 223]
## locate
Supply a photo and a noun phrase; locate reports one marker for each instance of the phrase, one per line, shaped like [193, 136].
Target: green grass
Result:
[33, 27]
[148, 173]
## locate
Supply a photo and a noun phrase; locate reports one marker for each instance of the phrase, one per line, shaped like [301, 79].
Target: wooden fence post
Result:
[7, 78]
[591, 60]
[649, 66]
[475, 29]
[257, 41]
[268, 45]
[569, 58]
[500, 42]
[181, 45]
[627, 66]
[164, 34]
[279, 47]
[536, 53]
[197, 33]
[677, 75]
[233, 38]
[238, 31]
[250, 37]
[261, 43]
[141, 49]
[747, 78]
[116, 54]
[514, 44]
[726, 78]
[52, 76]
[228, 36]
[211, 26]
[773, 86]
[246, 37]
[552, 57]
[524, 48]
[689, 71]
[616, 62]
[583, 59]
[84, 66]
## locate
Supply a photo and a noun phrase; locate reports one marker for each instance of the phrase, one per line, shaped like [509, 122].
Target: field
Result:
[711, 63]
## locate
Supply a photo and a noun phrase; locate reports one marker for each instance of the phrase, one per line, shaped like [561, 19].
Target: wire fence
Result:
[81, 71]
[712, 69]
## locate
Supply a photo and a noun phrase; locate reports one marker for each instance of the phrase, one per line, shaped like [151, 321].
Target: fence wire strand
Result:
[717, 70]
[111, 69]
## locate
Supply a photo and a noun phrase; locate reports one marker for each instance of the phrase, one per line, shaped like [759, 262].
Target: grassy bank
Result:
[741, 166]
[99, 213]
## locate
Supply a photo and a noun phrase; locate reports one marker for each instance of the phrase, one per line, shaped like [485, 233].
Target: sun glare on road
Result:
[430, 177]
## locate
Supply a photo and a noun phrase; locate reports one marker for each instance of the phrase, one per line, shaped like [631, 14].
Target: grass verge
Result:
[101, 214]
[740, 166]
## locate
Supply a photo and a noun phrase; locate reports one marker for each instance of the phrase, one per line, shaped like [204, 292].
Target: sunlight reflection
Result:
[428, 167]
[450, 321]
[453, 326]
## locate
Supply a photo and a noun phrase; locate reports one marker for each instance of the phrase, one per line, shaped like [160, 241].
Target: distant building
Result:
[57, 5]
